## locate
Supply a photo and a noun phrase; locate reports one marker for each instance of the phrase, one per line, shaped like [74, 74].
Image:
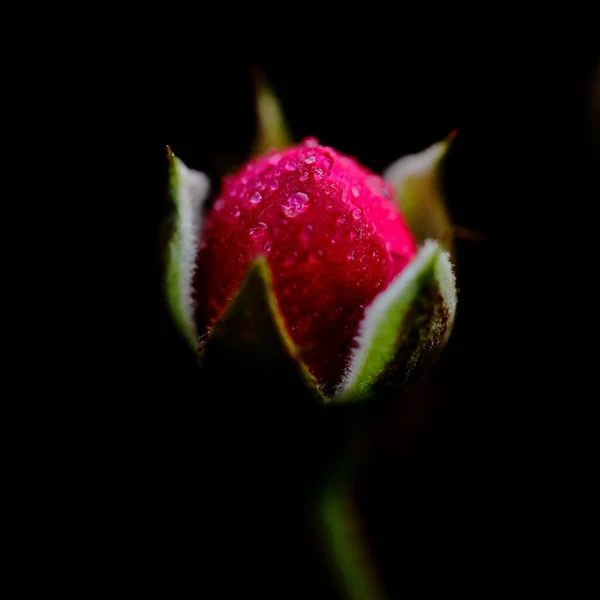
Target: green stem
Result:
[346, 543]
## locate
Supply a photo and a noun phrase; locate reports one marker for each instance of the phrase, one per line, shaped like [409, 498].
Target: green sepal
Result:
[417, 181]
[188, 190]
[272, 129]
[405, 327]
[249, 346]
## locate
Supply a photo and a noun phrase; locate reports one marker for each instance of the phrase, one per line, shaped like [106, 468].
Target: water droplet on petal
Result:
[388, 246]
[306, 234]
[310, 142]
[290, 165]
[356, 190]
[352, 235]
[235, 212]
[325, 164]
[274, 184]
[295, 205]
[268, 245]
[341, 220]
[351, 255]
[219, 204]
[274, 158]
[374, 184]
[344, 196]
[319, 175]
[290, 259]
[255, 197]
[304, 176]
[356, 213]
[315, 257]
[258, 231]
[310, 160]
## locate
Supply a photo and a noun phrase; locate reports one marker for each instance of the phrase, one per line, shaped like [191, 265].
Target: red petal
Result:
[333, 236]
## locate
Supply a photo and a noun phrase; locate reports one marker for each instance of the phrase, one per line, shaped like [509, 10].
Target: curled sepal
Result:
[272, 130]
[249, 347]
[417, 181]
[405, 327]
[188, 190]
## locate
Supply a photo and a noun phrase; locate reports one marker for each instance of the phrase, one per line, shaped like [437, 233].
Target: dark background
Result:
[476, 482]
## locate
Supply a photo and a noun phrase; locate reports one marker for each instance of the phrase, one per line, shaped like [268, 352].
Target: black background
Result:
[474, 483]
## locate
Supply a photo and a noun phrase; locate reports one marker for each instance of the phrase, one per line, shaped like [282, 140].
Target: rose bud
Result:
[333, 239]
[305, 257]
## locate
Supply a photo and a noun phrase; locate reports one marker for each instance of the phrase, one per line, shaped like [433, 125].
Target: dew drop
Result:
[258, 231]
[274, 158]
[235, 212]
[388, 246]
[356, 190]
[325, 164]
[255, 197]
[305, 235]
[352, 235]
[219, 204]
[341, 220]
[295, 205]
[356, 213]
[310, 142]
[315, 257]
[274, 184]
[344, 196]
[290, 259]
[319, 174]
[290, 165]
[310, 160]
[268, 245]
[304, 176]
[351, 255]
[374, 184]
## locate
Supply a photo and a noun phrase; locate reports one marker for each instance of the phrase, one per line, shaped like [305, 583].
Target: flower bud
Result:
[333, 237]
[305, 264]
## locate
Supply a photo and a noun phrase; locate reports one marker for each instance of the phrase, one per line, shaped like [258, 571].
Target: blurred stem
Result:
[342, 528]
[346, 545]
